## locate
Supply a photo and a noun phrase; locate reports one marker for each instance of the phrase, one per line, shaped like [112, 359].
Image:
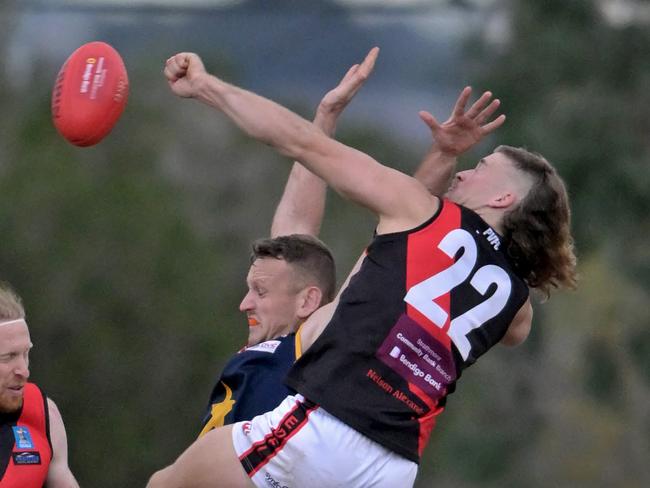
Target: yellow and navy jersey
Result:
[252, 382]
[425, 304]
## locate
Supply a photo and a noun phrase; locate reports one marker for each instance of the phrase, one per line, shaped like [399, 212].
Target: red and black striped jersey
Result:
[426, 304]
[25, 446]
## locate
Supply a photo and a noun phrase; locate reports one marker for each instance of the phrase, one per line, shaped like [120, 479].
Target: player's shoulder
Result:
[267, 354]
[271, 346]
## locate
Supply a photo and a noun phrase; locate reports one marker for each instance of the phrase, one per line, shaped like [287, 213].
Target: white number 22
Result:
[422, 295]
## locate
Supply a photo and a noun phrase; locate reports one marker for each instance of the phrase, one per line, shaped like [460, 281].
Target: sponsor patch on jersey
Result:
[417, 357]
[26, 457]
[268, 346]
[23, 437]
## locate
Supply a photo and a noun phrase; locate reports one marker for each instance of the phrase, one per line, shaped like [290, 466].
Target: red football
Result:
[89, 94]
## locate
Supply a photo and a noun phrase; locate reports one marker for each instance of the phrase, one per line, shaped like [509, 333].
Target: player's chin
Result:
[255, 336]
[10, 405]
[453, 195]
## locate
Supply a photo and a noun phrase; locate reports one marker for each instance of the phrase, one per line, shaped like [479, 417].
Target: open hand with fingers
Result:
[335, 101]
[464, 129]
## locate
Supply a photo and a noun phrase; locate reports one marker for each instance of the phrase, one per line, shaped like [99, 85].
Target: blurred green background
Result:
[131, 255]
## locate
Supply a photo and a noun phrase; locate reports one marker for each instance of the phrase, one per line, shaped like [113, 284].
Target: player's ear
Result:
[309, 301]
[503, 200]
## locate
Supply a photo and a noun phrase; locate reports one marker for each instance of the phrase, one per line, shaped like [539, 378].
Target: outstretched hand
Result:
[464, 129]
[302, 206]
[182, 70]
[335, 101]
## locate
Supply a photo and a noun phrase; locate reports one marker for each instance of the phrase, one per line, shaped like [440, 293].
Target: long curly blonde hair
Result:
[538, 230]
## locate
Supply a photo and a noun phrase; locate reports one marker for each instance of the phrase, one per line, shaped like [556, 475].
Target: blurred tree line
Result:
[572, 409]
[131, 258]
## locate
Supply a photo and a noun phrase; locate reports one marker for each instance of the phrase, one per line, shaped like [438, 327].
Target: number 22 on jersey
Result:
[422, 296]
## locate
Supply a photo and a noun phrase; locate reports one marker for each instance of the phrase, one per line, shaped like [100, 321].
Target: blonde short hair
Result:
[11, 306]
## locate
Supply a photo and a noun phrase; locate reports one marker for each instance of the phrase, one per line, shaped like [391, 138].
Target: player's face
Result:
[272, 301]
[14, 365]
[478, 187]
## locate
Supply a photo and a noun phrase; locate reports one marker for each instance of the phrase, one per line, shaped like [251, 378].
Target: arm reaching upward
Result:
[459, 133]
[302, 206]
[400, 201]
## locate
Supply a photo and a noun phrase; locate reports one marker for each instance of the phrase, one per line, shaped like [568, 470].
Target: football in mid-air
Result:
[89, 94]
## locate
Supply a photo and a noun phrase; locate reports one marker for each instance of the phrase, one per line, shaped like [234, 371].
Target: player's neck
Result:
[493, 217]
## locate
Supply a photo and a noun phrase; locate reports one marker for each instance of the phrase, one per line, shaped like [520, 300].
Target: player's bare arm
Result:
[459, 133]
[302, 206]
[209, 462]
[351, 173]
[59, 474]
[520, 326]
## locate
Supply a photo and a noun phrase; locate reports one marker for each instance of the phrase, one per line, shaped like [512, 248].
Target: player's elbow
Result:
[298, 140]
[516, 334]
[160, 479]
[154, 481]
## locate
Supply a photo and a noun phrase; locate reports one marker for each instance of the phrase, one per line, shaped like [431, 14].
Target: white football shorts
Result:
[300, 445]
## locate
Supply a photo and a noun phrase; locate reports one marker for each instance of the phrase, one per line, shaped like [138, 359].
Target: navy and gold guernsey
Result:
[252, 382]
[425, 305]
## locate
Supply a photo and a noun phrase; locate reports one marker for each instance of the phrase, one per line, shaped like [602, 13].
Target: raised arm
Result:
[302, 205]
[351, 173]
[459, 133]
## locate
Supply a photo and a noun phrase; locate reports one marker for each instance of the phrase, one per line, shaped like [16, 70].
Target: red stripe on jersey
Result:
[427, 421]
[261, 452]
[424, 259]
[35, 420]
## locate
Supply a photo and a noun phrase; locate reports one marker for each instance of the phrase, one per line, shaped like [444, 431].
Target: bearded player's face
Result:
[15, 344]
